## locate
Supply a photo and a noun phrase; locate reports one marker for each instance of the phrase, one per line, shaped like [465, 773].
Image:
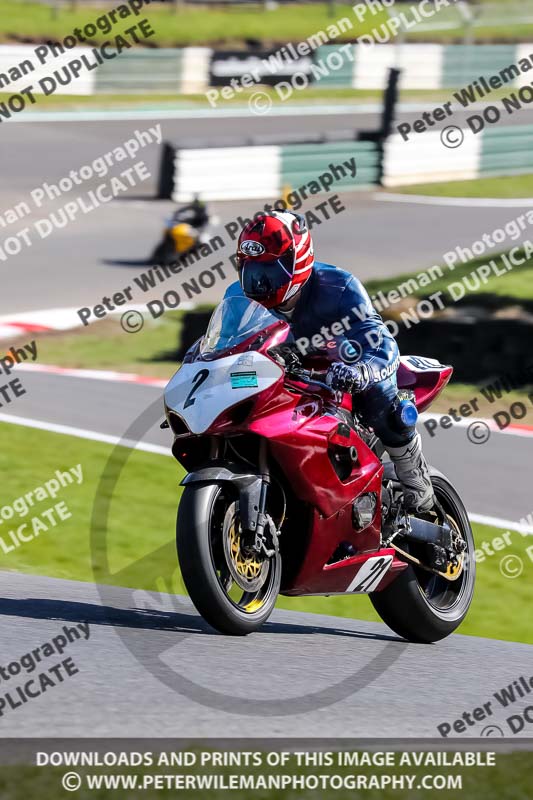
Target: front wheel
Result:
[234, 591]
[420, 605]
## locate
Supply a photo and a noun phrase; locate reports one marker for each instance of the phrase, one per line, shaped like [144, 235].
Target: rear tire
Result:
[202, 518]
[165, 252]
[421, 606]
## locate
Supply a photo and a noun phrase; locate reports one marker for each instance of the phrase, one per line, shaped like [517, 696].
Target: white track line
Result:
[82, 433]
[94, 374]
[94, 436]
[524, 431]
[463, 202]
[496, 522]
[196, 113]
[236, 112]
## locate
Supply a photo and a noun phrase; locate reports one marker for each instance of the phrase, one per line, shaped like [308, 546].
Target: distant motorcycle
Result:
[287, 491]
[183, 233]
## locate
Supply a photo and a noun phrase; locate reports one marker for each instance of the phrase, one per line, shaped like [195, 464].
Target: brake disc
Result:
[248, 571]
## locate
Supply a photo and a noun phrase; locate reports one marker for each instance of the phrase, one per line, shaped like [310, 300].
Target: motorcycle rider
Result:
[276, 267]
[195, 214]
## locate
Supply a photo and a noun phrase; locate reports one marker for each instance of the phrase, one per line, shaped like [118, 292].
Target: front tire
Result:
[233, 593]
[421, 606]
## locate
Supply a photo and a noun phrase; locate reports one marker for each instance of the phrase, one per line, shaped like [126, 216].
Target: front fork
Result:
[260, 536]
[265, 527]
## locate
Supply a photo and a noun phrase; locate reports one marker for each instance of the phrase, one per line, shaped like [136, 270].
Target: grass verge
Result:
[517, 286]
[104, 345]
[507, 186]
[138, 549]
[187, 26]
[171, 102]
[226, 26]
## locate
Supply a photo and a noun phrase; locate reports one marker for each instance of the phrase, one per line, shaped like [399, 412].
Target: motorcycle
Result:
[287, 491]
[184, 232]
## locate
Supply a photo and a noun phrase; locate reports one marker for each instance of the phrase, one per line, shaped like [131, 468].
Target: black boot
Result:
[413, 473]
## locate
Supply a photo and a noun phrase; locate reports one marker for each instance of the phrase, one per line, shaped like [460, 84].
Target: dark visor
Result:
[262, 279]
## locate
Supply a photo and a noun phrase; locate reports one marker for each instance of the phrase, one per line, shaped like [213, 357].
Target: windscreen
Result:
[234, 321]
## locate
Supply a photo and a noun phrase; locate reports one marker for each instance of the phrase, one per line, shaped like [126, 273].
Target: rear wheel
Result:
[165, 252]
[234, 590]
[420, 605]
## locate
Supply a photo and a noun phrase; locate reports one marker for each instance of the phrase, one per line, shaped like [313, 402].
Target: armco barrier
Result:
[424, 66]
[506, 150]
[301, 163]
[164, 71]
[170, 71]
[262, 171]
[424, 159]
[189, 69]
[367, 67]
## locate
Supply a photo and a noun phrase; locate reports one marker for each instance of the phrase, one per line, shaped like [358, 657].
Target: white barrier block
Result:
[12, 56]
[523, 51]
[424, 159]
[421, 65]
[195, 69]
[227, 173]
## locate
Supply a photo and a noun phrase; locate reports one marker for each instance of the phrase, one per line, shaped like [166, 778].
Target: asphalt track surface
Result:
[136, 670]
[102, 251]
[152, 668]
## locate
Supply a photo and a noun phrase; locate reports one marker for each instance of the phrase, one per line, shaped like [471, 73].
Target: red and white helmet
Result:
[274, 257]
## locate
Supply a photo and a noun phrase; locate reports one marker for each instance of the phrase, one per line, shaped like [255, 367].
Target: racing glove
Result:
[348, 378]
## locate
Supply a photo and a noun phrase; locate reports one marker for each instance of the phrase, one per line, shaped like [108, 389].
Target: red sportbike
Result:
[286, 490]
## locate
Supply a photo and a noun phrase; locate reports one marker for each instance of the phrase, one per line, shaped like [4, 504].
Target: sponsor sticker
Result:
[244, 380]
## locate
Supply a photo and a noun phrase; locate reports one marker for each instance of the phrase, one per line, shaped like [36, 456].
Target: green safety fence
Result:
[506, 150]
[301, 163]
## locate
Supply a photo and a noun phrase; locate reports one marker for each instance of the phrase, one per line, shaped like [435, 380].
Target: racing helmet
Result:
[275, 257]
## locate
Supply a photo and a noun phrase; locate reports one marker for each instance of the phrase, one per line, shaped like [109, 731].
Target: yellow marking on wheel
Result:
[253, 605]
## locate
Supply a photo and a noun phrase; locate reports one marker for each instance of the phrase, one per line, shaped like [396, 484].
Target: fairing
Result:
[246, 393]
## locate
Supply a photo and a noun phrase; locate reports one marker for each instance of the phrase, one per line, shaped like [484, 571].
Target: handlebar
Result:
[286, 356]
[307, 376]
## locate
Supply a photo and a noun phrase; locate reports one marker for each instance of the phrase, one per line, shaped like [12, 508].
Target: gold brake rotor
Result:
[249, 568]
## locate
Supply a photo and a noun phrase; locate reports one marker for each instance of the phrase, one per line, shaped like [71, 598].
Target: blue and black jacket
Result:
[332, 295]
